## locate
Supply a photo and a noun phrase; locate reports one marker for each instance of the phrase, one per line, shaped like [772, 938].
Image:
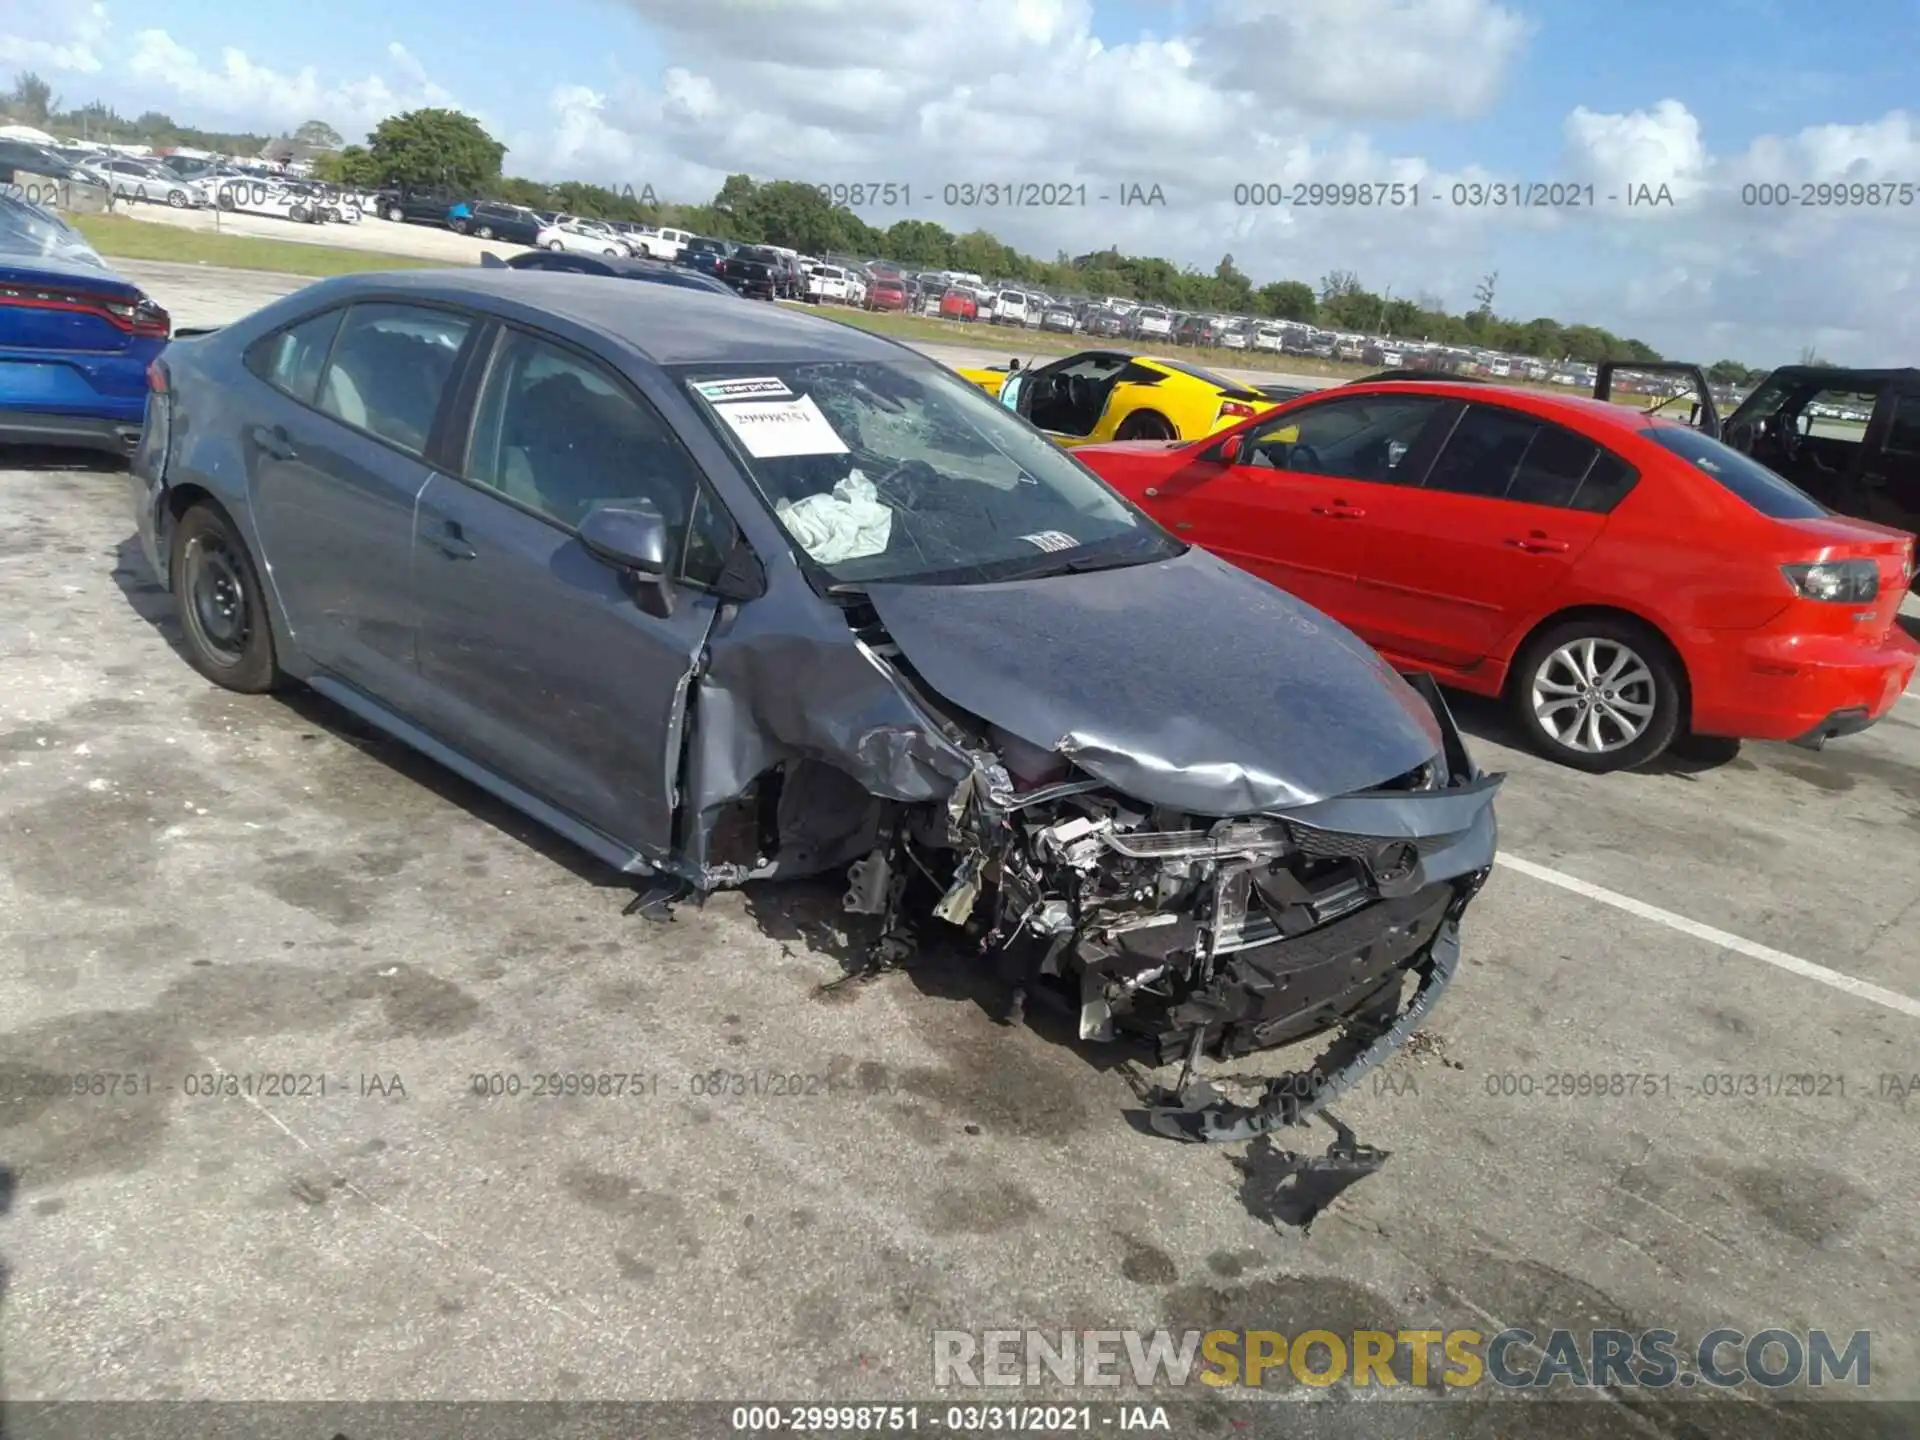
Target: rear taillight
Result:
[156, 378]
[137, 317]
[1235, 410]
[1844, 582]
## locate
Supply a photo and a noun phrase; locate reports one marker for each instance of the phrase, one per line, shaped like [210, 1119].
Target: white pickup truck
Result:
[660, 244]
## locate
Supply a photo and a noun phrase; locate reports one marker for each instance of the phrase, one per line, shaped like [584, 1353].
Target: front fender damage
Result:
[1177, 933]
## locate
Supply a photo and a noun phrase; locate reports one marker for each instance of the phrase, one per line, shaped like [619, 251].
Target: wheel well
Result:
[1154, 416]
[1609, 612]
[174, 503]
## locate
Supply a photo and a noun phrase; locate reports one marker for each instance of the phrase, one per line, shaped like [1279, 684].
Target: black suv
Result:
[497, 220]
[420, 204]
[1848, 437]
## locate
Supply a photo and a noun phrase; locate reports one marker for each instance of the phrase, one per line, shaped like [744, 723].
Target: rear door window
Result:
[1483, 453]
[1504, 455]
[389, 370]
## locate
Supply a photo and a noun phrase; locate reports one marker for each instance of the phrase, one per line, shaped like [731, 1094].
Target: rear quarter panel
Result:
[211, 389]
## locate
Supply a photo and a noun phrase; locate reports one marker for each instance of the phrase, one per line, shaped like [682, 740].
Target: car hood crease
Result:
[1184, 682]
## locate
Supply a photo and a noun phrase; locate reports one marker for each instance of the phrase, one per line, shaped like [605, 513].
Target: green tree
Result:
[919, 243]
[31, 100]
[318, 135]
[1232, 290]
[1337, 283]
[1288, 300]
[435, 147]
[353, 165]
[1354, 309]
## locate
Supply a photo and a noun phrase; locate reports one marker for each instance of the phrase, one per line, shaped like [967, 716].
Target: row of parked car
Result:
[83, 179]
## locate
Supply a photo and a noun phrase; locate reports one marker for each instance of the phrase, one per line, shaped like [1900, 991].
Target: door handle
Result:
[1538, 545]
[273, 440]
[1183, 524]
[450, 542]
[1340, 511]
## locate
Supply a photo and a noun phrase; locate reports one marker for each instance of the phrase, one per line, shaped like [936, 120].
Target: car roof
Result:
[668, 324]
[1536, 400]
[1837, 377]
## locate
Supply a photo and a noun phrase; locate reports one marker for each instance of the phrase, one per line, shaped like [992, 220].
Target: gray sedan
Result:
[723, 593]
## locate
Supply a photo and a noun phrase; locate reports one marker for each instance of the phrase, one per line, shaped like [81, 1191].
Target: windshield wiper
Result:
[1087, 564]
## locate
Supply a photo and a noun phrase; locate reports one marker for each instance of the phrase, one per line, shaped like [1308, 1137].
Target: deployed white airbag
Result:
[849, 523]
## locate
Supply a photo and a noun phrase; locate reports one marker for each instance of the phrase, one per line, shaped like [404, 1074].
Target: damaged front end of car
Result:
[1188, 935]
[1265, 841]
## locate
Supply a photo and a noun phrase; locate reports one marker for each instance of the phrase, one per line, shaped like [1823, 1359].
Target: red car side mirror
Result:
[1229, 451]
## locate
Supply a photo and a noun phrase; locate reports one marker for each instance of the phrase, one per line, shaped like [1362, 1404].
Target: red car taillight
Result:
[141, 317]
[1234, 410]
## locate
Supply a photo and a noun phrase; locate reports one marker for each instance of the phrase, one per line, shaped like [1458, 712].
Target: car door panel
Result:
[331, 504]
[1886, 485]
[533, 652]
[1274, 524]
[1448, 577]
[539, 663]
[1285, 512]
[333, 511]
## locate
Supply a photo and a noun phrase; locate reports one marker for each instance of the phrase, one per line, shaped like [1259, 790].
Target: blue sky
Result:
[1194, 95]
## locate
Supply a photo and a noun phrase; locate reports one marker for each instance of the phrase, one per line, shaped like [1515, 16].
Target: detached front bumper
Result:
[1352, 972]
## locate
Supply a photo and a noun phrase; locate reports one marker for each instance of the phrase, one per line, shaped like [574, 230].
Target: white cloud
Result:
[53, 35]
[240, 91]
[1226, 95]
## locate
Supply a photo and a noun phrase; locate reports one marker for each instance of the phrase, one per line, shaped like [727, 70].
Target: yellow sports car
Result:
[1096, 396]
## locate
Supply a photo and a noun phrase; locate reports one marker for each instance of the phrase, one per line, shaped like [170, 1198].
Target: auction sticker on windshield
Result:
[769, 387]
[772, 429]
[1051, 540]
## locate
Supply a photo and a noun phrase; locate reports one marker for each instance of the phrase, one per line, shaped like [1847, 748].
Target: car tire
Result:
[555, 245]
[1606, 667]
[485, 232]
[396, 214]
[1146, 425]
[222, 605]
[176, 199]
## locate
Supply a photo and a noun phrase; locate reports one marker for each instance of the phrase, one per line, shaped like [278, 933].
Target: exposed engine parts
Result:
[1185, 934]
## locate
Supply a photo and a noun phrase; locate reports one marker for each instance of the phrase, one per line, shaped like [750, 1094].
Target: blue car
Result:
[75, 338]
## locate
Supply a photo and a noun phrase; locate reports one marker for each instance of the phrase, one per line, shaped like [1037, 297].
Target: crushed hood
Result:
[1184, 683]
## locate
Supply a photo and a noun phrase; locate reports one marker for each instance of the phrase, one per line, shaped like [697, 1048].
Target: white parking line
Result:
[1766, 954]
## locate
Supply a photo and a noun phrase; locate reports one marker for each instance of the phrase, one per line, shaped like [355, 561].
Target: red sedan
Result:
[887, 295]
[1619, 579]
[959, 305]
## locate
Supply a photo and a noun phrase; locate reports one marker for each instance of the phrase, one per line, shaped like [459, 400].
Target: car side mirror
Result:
[1228, 452]
[631, 535]
[1013, 364]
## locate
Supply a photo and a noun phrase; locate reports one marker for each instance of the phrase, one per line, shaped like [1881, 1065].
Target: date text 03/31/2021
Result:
[990, 194]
